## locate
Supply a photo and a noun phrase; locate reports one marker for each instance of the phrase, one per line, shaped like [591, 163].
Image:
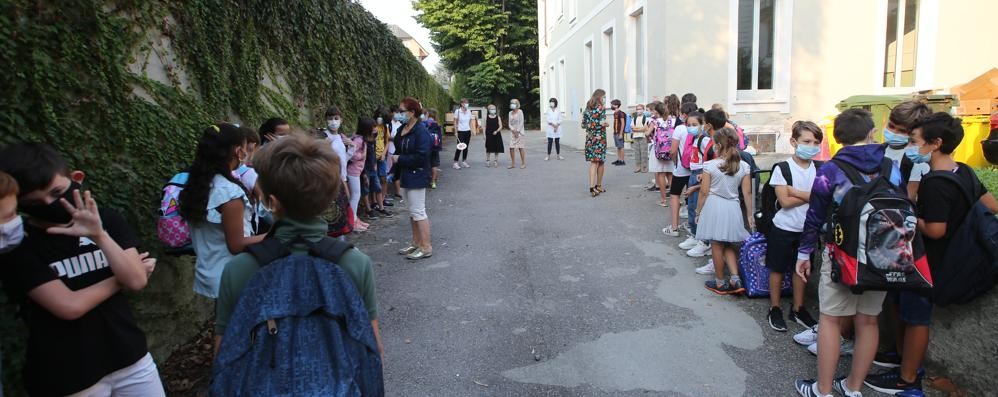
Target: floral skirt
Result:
[596, 147]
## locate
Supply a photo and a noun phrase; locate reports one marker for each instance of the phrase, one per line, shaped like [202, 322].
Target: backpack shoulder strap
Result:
[268, 250]
[784, 167]
[850, 171]
[330, 249]
[906, 166]
[817, 164]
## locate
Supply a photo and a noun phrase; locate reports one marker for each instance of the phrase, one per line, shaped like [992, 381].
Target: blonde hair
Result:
[726, 146]
[596, 99]
[303, 173]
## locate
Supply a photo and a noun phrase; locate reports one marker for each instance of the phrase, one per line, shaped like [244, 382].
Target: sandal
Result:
[408, 250]
[593, 192]
[601, 189]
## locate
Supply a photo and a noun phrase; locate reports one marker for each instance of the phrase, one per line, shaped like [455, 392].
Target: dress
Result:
[721, 218]
[493, 143]
[592, 122]
[516, 124]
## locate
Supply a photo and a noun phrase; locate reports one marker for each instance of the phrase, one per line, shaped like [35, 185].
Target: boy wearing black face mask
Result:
[67, 276]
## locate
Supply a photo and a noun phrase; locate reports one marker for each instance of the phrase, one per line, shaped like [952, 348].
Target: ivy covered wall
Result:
[123, 89]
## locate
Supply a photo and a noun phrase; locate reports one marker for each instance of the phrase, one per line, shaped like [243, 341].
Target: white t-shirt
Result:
[678, 137]
[464, 119]
[792, 219]
[341, 150]
[917, 171]
[553, 116]
[698, 165]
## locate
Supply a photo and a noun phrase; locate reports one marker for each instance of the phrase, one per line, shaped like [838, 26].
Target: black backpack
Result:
[969, 266]
[873, 236]
[769, 203]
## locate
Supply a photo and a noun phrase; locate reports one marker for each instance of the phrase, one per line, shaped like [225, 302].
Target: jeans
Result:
[464, 137]
[691, 202]
[557, 145]
[640, 147]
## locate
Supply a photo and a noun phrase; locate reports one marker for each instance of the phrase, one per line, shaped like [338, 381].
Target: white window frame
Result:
[588, 65]
[778, 98]
[637, 17]
[573, 10]
[562, 84]
[925, 50]
[559, 9]
[608, 64]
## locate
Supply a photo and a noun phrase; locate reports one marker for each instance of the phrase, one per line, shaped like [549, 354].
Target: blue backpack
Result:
[753, 270]
[628, 124]
[300, 328]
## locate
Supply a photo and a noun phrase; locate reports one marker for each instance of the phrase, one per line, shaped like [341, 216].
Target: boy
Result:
[436, 131]
[941, 208]
[67, 276]
[897, 133]
[11, 226]
[783, 239]
[299, 178]
[619, 119]
[854, 130]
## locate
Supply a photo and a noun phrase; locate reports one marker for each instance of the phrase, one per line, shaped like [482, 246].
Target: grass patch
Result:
[988, 176]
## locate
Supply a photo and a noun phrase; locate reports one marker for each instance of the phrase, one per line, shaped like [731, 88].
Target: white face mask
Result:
[11, 234]
[334, 124]
[553, 105]
[513, 106]
[381, 120]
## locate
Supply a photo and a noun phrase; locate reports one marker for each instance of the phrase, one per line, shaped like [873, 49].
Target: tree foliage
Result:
[491, 45]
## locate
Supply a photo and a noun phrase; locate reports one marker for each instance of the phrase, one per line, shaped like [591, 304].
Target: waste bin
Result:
[881, 106]
[975, 130]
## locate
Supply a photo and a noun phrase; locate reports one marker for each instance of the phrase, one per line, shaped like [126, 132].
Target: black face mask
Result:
[53, 212]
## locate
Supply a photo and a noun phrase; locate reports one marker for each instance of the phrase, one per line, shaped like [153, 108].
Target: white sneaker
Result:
[807, 336]
[699, 250]
[845, 349]
[546, 158]
[465, 164]
[457, 166]
[560, 158]
[706, 269]
[690, 242]
[668, 231]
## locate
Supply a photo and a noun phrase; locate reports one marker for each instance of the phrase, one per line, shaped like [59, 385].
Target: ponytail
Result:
[726, 144]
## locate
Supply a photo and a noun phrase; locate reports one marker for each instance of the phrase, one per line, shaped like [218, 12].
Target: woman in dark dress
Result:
[493, 137]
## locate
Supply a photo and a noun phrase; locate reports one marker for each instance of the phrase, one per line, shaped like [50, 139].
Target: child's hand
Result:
[149, 264]
[803, 269]
[86, 218]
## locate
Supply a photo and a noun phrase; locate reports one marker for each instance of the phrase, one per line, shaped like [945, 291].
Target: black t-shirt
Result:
[64, 357]
[940, 201]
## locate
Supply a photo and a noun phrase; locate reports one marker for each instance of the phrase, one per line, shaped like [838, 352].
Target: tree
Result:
[490, 45]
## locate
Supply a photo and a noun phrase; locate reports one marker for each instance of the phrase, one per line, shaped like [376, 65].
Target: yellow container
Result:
[975, 130]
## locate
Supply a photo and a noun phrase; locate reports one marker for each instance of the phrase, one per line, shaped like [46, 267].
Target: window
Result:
[573, 10]
[901, 43]
[638, 20]
[587, 68]
[559, 7]
[562, 90]
[552, 83]
[609, 61]
[756, 31]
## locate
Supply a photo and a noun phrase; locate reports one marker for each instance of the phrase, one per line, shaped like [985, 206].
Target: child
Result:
[438, 138]
[854, 130]
[681, 177]
[661, 121]
[704, 151]
[941, 209]
[639, 132]
[342, 146]
[298, 177]
[273, 129]
[11, 225]
[897, 133]
[355, 166]
[493, 137]
[67, 276]
[216, 205]
[619, 119]
[718, 209]
[783, 239]
[382, 140]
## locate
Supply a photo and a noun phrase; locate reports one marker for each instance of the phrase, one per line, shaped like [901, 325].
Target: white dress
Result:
[654, 164]
[553, 116]
[721, 218]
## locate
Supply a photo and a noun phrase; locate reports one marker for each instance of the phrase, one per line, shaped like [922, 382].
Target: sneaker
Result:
[546, 158]
[839, 385]
[690, 242]
[737, 287]
[808, 388]
[372, 215]
[457, 166]
[723, 289]
[803, 318]
[845, 348]
[433, 185]
[465, 164]
[890, 382]
[653, 188]
[775, 318]
[807, 337]
[669, 231]
[560, 158]
[706, 269]
[385, 212]
[887, 359]
[699, 250]
[388, 203]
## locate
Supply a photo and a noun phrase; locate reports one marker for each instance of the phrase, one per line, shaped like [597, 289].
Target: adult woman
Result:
[516, 140]
[594, 122]
[493, 137]
[553, 117]
[413, 170]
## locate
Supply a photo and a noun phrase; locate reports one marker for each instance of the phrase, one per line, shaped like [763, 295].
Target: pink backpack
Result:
[171, 229]
[688, 148]
[663, 138]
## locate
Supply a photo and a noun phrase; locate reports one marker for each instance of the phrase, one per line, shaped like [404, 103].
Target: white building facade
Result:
[768, 62]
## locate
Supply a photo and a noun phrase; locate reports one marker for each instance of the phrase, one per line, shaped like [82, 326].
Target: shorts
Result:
[383, 167]
[678, 184]
[373, 182]
[435, 159]
[835, 299]
[415, 200]
[914, 309]
[139, 379]
[781, 250]
[618, 142]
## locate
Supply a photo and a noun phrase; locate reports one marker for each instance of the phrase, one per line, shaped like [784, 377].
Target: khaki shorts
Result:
[835, 299]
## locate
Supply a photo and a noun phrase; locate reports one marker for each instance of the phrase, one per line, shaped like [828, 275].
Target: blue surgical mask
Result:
[807, 152]
[894, 140]
[402, 117]
[647, 113]
[693, 130]
[913, 154]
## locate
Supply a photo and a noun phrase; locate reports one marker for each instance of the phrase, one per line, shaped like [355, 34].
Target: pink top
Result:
[356, 164]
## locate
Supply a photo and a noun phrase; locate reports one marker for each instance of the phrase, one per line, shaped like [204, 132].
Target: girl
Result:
[516, 141]
[216, 205]
[681, 178]
[365, 128]
[717, 211]
[493, 139]
[436, 132]
[660, 126]
[553, 117]
[379, 183]
[594, 122]
[640, 145]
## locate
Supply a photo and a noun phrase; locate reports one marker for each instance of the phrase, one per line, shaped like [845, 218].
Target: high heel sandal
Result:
[600, 189]
[593, 192]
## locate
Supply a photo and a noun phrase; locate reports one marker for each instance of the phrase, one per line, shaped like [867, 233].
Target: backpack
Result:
[686, 154]
[769, 203]
[970, 263]
[300, 328]
[171, 229]
[702, 155]
[743, 140]
[873, 238]
[753, 270]
[628, 124]
[663, 138]
[434, 129]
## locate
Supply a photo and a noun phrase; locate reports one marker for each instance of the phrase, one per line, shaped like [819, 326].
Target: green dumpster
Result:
[881, 105]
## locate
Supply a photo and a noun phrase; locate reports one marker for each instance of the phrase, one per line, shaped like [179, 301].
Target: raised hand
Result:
[86, 218]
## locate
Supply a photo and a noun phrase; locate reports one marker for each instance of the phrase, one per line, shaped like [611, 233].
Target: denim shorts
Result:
[618, 142]
[383, 167]
[914, 309]
[373, 183]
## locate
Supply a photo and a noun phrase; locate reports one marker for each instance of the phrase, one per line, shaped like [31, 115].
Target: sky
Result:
[400, 12]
